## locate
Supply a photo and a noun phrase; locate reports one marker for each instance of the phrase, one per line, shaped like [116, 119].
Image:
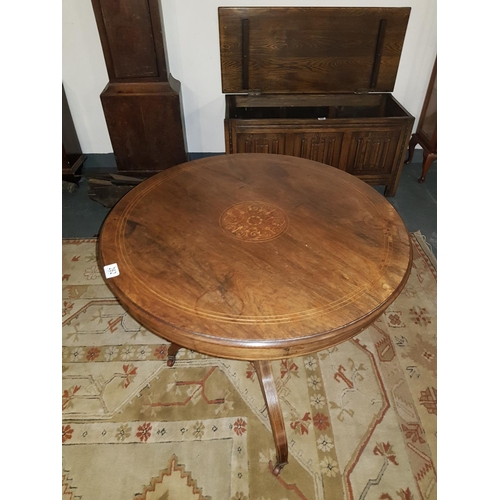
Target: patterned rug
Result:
[360, 417]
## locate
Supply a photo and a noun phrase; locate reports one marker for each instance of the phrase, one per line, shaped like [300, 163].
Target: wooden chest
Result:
[315, 82]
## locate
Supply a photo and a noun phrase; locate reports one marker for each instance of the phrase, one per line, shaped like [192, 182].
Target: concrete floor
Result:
[416, 203]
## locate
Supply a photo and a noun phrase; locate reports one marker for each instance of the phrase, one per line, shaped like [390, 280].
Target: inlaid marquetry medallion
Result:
[254, 221]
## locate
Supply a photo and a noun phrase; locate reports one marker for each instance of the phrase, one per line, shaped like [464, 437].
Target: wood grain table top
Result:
[255, 256]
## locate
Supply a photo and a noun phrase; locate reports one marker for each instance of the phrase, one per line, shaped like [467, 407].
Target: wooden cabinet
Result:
[314, 82]
[141, 102]
[426, 134]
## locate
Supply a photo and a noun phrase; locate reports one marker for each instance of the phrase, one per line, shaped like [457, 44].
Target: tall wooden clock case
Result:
[141, 102]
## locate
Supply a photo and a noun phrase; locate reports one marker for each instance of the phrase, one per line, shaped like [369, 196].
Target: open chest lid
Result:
[310, 49]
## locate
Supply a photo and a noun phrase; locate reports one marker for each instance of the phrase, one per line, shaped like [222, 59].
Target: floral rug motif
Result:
[360, 417]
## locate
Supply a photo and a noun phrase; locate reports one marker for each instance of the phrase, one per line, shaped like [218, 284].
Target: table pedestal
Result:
[266, 381]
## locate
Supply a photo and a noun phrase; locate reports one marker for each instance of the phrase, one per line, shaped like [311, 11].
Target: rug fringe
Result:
[426, 247]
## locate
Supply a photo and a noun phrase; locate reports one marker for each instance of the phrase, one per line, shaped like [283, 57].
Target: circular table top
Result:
[255, 256]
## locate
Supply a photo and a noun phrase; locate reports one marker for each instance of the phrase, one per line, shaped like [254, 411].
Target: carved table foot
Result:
[172, 353]
[266, 380]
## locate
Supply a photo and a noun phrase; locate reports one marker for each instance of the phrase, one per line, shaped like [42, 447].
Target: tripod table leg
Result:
[265, 375]
[172, 353]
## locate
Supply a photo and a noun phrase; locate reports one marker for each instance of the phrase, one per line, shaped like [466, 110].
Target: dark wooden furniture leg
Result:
[411, 148]
[428, 159]
[265, 375]
[172, 353]
[429, 156]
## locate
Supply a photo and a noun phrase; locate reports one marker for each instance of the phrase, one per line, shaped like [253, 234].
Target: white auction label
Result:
[111, 271]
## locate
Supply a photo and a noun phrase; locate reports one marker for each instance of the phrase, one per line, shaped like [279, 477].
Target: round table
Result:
[255, 257]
